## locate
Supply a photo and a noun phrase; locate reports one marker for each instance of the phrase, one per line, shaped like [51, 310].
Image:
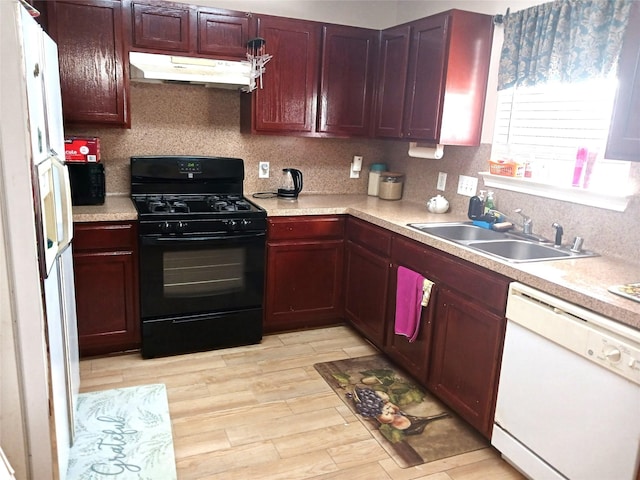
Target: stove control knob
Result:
[181, 226]
[232, 224]
[245, 222]
[165, 227]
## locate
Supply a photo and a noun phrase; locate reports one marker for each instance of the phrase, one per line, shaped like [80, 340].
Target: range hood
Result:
[148, 67]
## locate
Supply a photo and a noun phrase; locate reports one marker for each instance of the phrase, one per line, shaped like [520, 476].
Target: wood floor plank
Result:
[263, 412]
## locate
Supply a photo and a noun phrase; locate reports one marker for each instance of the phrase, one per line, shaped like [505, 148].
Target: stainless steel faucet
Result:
[527, 223]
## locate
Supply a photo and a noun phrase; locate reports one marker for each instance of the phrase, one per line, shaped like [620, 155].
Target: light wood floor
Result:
[263, 412]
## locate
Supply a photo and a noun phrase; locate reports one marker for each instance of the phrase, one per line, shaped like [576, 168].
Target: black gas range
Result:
[202, 248]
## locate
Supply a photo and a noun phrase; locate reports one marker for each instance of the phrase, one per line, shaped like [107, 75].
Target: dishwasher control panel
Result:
[602, 340]
[615, 354]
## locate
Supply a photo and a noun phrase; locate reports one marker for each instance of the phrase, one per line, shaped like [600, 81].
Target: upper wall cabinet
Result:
[445, 80]
[309, 94]
[287, 101]
[93, 64]
[180, 28]
[624, 133]
[347, 79]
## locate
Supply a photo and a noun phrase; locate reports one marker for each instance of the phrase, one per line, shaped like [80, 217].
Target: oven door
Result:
[202, 274]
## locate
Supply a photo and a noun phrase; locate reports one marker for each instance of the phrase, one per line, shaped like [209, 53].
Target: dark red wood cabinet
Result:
[624, 132]
[93, 60]
[459, 347]
[180, 28]
[105, 261]
[413, 356]
[348, 65]
[366, 280]
[304, 272]
[160, 25]
[445, 79]
[288, 101]
[319, 82]
[391, 84]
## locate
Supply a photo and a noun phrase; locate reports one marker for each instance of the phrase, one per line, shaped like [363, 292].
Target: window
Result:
[546, 125]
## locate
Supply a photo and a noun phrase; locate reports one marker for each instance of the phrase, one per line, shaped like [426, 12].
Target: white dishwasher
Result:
[568, 402]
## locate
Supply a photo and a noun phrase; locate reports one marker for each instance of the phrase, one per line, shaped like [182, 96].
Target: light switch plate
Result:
[442, 181]
[263, 170]
[467, 185]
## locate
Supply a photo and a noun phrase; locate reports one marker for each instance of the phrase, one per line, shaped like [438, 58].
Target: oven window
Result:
[203, 272]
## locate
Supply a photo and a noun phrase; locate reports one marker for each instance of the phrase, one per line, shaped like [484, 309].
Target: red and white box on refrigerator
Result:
[82, 149]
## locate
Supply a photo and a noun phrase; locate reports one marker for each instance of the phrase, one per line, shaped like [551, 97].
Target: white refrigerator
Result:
[36, 233]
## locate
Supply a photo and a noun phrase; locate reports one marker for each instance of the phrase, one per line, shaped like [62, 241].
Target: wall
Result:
[194, 120]
[362, 13]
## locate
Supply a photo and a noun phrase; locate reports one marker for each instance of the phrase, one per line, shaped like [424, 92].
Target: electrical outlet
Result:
[467, 185]
[442, 181]
[263, 170]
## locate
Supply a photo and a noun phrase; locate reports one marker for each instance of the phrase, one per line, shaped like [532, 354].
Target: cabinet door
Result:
[392, 77]
[425, 78]
[347, 79]
[467, 348]
[105, 302]
[287, 103]
[412, 356]
[303, 284]
[93, 65]
[366, 286]
[161, 25]
[105, 262]
[222, 35]
[624, 132]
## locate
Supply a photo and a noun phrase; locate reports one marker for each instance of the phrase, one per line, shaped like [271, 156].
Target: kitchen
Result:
[175, 119]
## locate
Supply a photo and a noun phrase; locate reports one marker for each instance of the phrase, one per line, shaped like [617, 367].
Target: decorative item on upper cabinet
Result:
[446, 79]
[438, 204]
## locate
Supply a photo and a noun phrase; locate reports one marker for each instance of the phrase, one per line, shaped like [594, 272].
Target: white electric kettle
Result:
[438, 204]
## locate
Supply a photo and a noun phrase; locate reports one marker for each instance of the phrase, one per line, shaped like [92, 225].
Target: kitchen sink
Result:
[458, 231]
[513, 247]
[520, 250]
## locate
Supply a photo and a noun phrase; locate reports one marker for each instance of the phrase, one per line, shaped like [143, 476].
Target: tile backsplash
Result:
[193, 120]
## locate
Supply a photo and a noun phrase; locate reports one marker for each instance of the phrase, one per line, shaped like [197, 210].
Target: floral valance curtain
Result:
[562, 41]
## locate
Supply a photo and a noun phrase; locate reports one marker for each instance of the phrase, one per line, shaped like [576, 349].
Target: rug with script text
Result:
[407, 421]
[123, 434]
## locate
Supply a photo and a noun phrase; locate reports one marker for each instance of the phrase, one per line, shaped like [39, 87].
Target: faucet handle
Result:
[527, 223]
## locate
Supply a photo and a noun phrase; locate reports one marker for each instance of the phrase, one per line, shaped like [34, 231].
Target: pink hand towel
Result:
[408, 303]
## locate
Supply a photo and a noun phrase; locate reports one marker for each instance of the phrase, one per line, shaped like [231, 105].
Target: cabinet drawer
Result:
[104, 236]
[316, 227]
[478, 283]
[369, 236]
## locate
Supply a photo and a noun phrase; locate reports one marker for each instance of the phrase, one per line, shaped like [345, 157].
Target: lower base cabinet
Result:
[105, 261]
[304, 272]
[367, 261]
[458, 350]
[465, 358]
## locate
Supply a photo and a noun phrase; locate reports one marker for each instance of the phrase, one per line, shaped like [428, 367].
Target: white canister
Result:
[390, 187]
[374, 178]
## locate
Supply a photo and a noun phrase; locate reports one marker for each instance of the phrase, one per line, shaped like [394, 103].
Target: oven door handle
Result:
[148, 240]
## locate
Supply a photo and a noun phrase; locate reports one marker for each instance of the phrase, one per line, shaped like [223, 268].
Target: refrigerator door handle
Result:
[66, 209]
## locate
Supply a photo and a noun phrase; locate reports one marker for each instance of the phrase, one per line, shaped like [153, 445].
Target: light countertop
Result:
[582, 281]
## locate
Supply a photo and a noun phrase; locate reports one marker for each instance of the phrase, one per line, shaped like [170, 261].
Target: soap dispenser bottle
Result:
[489, 204]
[476, 207]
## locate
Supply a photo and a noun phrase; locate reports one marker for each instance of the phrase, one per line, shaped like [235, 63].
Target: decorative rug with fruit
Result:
[408, 422]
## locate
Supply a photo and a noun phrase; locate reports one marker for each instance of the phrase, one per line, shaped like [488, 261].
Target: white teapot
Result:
[438, 204]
